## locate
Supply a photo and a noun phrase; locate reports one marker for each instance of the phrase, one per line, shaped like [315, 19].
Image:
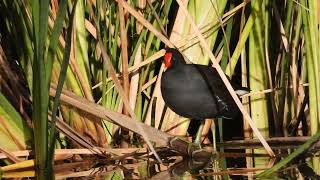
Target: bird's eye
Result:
[167, 59]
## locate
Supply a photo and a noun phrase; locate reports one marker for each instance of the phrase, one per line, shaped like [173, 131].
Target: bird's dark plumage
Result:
[195, 91]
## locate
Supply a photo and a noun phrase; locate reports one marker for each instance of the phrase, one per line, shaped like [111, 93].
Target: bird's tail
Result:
[240, 91]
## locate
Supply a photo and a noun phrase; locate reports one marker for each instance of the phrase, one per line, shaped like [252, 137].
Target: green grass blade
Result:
[62, 77]
[40, 10]
[241, 43]
[54, 39]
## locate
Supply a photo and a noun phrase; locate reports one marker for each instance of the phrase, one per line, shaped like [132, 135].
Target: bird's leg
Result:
[222, 161]
[214, 140]
[199, 134]
[213, 130]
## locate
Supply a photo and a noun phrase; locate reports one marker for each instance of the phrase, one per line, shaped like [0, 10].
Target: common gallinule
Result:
[195, 91]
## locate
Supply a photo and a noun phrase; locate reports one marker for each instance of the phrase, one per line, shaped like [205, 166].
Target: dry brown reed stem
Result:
[100, 112]
[149, 83]
[134, 83]
[74, 135]
[157, 17]
[83, 81]
[95, 129]
[242, 172]
[159, 103]
[117, 152]
[270, 90]
[225, 80]
[135, 78]
[124, 54]
[12, 157]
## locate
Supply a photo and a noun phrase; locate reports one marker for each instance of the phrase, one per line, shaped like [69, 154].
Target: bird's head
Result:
[173, 57]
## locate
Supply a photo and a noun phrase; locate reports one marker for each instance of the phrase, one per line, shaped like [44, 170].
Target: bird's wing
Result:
[226, 104]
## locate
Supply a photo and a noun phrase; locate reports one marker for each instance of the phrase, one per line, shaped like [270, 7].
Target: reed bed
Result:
[86, 74]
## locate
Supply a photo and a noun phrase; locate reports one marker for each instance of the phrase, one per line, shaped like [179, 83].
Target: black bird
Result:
[195, 91]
